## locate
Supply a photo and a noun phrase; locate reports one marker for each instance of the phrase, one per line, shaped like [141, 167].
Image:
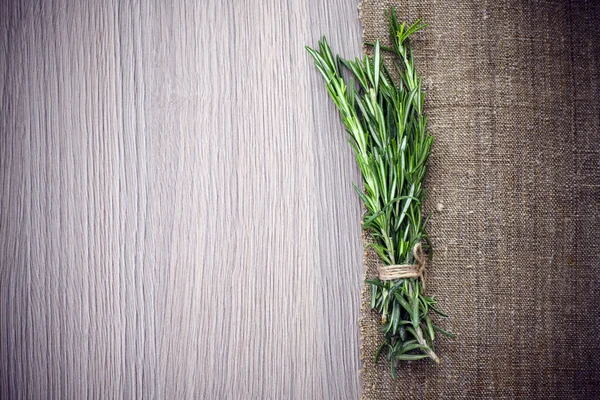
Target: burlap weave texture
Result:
[514, 187]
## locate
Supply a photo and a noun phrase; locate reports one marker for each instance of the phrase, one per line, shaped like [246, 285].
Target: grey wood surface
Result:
[176, 212]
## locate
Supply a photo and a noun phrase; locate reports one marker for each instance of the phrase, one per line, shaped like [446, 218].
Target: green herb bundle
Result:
[387, 131]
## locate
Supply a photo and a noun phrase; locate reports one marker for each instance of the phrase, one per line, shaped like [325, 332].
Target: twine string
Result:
[417, 270]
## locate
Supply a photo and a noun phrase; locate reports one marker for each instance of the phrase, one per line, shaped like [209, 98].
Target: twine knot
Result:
[391, 272]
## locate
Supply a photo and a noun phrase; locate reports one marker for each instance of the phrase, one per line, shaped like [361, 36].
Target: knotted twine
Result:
[391, 272]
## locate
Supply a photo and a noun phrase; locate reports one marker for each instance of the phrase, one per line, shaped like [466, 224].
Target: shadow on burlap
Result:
[513, 94]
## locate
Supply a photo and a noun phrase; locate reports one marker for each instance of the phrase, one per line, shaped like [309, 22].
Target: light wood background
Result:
[176, 212]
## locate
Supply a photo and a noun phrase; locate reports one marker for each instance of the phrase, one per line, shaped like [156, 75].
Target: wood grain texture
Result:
[177, 216]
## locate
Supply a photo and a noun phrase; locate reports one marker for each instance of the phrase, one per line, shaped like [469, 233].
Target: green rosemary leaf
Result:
[395, 316]
[378, 352]
[415, 313]
[376, 283]
[367, 69]
[410, 330]
[407, 204]
[393, 369]
[402, 332]
[430, 329]
[384, 48]
[411, 357]
[380, 250]
[438, 311]
[376, 66]
[403, 302]
[373, 295]
[413, 346]
[396, 286]
[443, 332]
[417, 26]
[326, 52]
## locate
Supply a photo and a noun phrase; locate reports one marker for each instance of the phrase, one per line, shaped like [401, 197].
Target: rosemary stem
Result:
[423, 343]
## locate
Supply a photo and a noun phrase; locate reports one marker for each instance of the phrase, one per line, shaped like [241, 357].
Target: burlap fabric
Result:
[513, 99]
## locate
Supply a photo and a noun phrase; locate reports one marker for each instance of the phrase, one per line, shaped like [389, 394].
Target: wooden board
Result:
[176, 212]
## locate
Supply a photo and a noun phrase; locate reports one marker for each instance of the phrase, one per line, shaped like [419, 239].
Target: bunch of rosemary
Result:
[386, 125]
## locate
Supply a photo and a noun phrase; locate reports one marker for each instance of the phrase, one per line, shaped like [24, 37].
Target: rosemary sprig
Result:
[387, 131]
